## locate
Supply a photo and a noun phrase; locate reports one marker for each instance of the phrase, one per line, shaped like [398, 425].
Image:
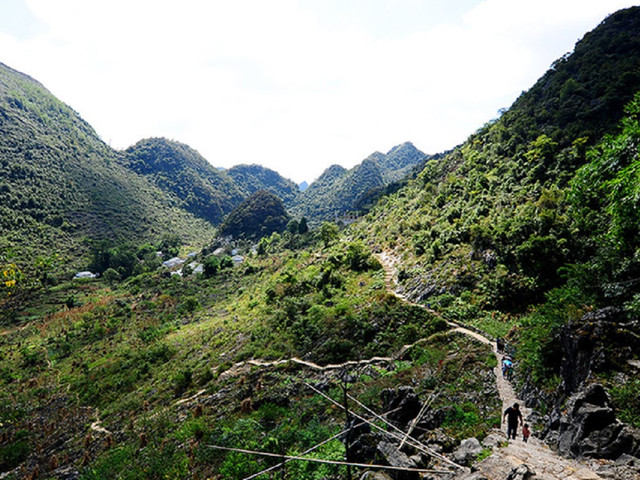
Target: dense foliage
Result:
[338, 190]
[520, 231]
[605, 205]
[59, 183]
[492, 218]
[258, 216]
[251, 178]
[202, 189]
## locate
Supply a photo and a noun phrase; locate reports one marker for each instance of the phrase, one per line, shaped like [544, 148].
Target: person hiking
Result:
[512, 414]
[500, 344]
[525, 432]
[507, 366]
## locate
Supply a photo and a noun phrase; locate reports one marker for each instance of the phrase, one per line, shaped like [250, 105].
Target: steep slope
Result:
[583, 93]
[251, 178]
[529, 229]
[176, 168]
[141, 379]
[490, 218]
[60, 183]
[398, 162]
[339, 191]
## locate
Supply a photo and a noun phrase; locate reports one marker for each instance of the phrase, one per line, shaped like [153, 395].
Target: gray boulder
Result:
[396, 458]
[494, 439]
[589, 428]
[521, 472]
[467, 452]
[405, 403]
[586, 345]
[375, 476]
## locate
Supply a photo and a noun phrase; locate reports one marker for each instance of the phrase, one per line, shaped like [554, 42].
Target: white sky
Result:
[294, 85]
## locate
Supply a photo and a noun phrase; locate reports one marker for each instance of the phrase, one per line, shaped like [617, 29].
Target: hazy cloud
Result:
[288, 84]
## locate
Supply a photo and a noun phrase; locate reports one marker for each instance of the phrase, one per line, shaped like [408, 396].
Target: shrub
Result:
[627, 402]
[188, 305]
[16, 452]
[111, 276]
[182, 381]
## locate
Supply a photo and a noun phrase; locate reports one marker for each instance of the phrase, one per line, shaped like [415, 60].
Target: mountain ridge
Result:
[525, 231]
[60, 179]
[338, 190]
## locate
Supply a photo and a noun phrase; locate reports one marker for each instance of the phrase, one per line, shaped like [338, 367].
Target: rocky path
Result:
[535, 454]
[546, 464]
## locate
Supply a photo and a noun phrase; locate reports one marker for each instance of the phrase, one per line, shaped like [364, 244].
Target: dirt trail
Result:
[536, 454]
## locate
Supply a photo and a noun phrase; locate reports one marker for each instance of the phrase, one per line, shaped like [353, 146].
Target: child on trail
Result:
[513, 414]
[525, 432]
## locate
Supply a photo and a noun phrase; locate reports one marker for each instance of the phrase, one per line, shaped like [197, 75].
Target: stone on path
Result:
[375, 476]
[521, 472]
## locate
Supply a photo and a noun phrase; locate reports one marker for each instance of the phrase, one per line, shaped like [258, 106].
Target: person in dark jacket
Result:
[513, 416]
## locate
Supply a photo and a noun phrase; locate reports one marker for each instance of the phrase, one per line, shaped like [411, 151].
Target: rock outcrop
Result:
[521, 472]
[601, 340]
[587, 428]
[403, 403]
[467, 452]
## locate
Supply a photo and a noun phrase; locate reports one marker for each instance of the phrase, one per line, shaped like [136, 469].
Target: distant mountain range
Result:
[59, 180]
[338, 190]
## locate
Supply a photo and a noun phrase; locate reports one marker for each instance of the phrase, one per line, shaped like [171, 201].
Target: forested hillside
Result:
[60, 183]
[196, 367]
[259, 215]
[251, 178]
[534, 212]
[338, 190]
[203, 190]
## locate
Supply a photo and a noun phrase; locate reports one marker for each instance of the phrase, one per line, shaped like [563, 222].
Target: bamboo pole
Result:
[329, 462]
[315, 447]
[412, 442]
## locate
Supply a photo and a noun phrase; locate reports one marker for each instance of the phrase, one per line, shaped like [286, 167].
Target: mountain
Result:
[61, 184]
[534, 216]
[251, 178]
[528, 231]
[176, 168]
[257, 216]
[583, 93]
[398, 162]
[499, 201]
[338, 190]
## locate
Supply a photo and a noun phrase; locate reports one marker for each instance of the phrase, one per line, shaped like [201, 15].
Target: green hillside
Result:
[203, 190]
[257, 216]
[534, 207]
[251, 178]
[528, 231]
[338, 190]
[61, 184]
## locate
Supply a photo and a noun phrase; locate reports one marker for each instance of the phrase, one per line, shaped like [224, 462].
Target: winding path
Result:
[546, 464]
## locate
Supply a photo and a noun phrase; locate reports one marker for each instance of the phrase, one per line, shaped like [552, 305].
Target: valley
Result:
[381, 288]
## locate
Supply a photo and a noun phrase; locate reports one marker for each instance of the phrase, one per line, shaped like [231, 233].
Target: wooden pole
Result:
[347, 437]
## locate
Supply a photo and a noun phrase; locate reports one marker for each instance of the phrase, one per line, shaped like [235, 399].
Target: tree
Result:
[18, 285]
[328, 233]
[111, 276]
[293, 226]
[170, 244]
[211, 266]
[302, 226]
